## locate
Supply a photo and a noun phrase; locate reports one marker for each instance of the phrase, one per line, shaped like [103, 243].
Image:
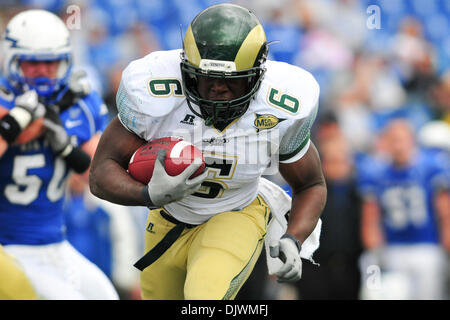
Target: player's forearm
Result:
[371, 234]
[309, 193]
[442, 205]
[3, 146]
[108, 176]
[307, 206]
[112, 183]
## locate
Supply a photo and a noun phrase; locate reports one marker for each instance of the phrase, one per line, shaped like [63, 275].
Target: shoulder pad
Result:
[291, 95]
[151, 78]
[95, 108]
[150, 88]
[292, 91]
[87, 117]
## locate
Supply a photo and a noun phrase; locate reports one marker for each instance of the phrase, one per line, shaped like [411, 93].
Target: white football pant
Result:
[59, 272]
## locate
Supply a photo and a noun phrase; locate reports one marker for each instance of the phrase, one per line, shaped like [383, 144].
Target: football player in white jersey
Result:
[249, 116]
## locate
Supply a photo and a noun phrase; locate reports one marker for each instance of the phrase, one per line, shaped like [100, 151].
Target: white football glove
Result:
[27, 108]
[287, 249]
[56, 134]
[164, 188]
[79, 84]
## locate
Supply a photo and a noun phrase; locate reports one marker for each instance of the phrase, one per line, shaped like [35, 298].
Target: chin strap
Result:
[209, 121]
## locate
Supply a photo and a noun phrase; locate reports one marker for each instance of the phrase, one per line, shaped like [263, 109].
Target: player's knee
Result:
[206, 282]
[216, 282]
[203, 290]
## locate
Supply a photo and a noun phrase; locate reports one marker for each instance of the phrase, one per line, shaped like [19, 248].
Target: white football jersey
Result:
[275, 128]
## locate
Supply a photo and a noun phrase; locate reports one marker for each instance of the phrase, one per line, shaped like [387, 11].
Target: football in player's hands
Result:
[179, 155]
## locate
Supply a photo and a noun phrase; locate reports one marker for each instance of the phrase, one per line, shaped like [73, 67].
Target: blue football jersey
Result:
[405, 195]
[33, 180]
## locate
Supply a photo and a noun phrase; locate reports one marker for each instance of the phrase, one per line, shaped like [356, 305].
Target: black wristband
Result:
[297, 243]
[78, 160]
[9, 129]
[148, 202]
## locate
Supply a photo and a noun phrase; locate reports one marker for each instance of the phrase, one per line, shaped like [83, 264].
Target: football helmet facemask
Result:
[224, 41]
[37, 35]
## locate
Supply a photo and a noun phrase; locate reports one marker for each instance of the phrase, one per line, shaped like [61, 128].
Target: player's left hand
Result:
[163, 188]
[78, 87]
[287, 249]
[56, 134]
[79, 84]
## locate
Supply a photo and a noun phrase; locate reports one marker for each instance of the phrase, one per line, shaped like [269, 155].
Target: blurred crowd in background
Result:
[375, 61]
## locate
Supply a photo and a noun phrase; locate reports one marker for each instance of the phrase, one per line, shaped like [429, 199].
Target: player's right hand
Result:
[164, 189]
[56, 134]
[27, 108]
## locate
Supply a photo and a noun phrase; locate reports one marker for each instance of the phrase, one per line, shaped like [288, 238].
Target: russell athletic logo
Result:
[265, 121]
[188, 119]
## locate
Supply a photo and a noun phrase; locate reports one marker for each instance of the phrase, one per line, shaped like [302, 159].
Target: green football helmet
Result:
[223, 41]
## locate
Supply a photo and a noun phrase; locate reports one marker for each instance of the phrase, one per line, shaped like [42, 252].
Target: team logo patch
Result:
[266, 121]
